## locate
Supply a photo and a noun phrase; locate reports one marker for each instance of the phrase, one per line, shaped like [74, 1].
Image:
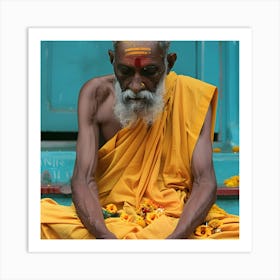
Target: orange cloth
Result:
[148, 163]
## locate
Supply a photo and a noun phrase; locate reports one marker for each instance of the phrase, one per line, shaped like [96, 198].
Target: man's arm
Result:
[84, 187]
[203, 194]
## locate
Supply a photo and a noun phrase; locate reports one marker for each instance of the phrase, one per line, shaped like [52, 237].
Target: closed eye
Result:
[150, 70]
[125, 70]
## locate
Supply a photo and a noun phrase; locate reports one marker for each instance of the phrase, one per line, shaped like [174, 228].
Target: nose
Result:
[136, 85]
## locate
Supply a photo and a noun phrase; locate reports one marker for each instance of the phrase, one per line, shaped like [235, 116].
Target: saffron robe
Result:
[150, 162]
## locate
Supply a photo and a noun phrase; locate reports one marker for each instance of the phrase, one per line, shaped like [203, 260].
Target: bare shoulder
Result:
[98, 86]
[95, 93]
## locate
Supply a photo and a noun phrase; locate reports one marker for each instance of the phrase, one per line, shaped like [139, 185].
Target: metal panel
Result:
[209, 70]
[218, 64]
[66, 66]
[232, 92]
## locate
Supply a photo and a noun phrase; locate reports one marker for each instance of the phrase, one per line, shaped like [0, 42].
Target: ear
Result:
[111, 55]
[171, 58]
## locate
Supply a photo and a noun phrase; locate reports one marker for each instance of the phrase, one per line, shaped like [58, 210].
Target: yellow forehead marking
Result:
[137, 51]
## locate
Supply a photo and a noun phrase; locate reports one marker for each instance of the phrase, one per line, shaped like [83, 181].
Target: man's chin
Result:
[131, 117]
[138, 107]
[129, 108]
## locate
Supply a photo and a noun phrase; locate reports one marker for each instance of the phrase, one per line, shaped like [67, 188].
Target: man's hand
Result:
[108, 235]
[176, 236]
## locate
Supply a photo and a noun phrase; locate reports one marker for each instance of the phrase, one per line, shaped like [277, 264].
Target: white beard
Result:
[147, 106]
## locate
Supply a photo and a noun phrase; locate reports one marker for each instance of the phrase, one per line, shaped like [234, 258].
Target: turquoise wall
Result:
[67, 65]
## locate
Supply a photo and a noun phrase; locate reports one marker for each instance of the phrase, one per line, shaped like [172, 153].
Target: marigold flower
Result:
[148, 203]
[140, 221]
[140, 212]
[235, 149]
[148, 211]
[215, 223]
[124, 216]
[217, 150]
[112, 208]
[232, 181]
[203, 231]
[151, 217]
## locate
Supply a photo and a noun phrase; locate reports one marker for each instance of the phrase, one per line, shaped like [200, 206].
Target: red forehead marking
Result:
[137, 61]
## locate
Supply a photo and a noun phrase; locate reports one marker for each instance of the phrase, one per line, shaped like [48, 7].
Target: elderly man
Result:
[153, 177]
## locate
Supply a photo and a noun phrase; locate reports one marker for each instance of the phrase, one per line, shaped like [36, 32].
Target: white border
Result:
[243, 35]
[262, 16]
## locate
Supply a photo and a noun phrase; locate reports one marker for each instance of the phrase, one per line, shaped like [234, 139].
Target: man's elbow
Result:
[76, 184]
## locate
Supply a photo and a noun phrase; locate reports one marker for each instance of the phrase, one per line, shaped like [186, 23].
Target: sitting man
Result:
[154, 176]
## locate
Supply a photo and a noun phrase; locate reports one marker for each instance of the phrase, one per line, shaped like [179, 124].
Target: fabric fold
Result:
[153, 163]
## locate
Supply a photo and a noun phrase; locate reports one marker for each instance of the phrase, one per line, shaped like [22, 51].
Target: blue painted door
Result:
[67, 65]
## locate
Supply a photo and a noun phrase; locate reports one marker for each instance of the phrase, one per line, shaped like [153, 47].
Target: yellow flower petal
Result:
[151, 217]
[203, 231]
[112, 208]
[232, 181]
[214, 223]
[235, 149]
[124, 216]
[140, 221]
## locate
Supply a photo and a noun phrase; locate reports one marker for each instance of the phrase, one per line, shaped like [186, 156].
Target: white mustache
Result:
[145, 105]
[145, 95]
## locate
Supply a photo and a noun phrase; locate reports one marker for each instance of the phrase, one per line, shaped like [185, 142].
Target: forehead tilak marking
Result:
[138, 54]
[137, 51]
